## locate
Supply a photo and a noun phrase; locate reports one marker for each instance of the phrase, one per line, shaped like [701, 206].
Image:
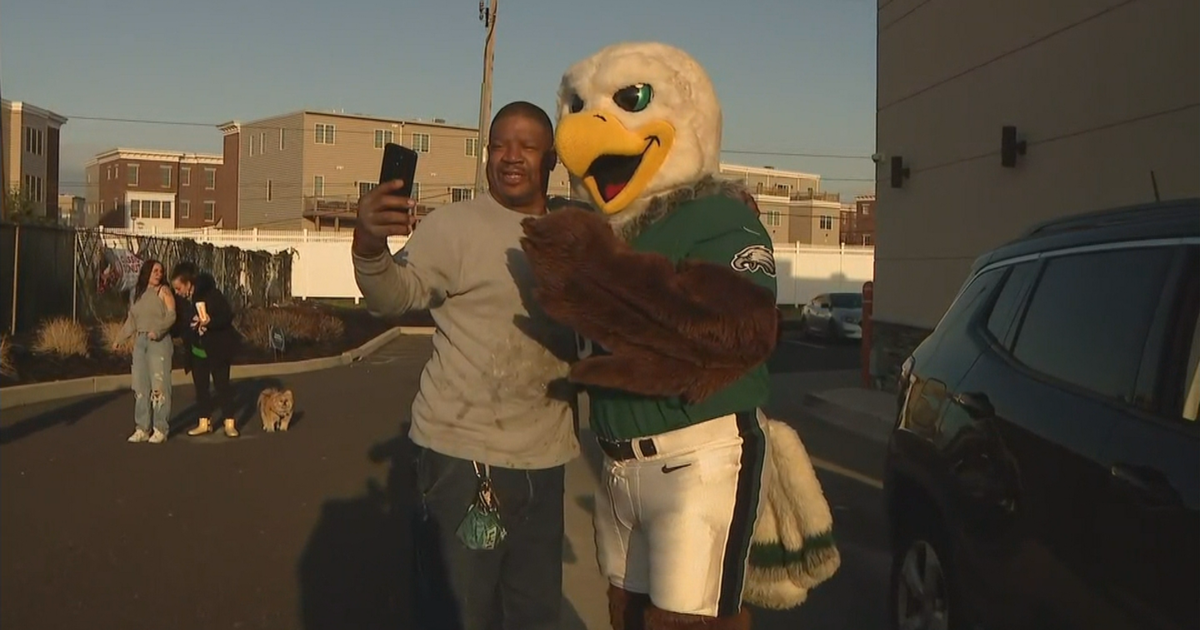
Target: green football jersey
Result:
[715, 229]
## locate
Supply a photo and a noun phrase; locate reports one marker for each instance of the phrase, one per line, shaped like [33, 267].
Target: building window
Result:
[34, 141]
[383, 136]
[416, 195]
[324, 134]
[772, 219]
[318, 185]
[210, 211]
[250, 147]
[472, 148]
[826, 222]
[135, 209]
[281, 139]
[165, 175]
[185, 176]
[269, 191]
[262, 142]
[461, 194]
[132, 174]
[166, 209]
[185, 209]
[34, 188]
[210, 178]
[365, 187]
[421, 142]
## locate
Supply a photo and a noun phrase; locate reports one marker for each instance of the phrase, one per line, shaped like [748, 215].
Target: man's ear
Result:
[550, 160]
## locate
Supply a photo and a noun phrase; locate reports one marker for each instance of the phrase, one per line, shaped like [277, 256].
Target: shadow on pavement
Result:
[67, 415]
[245, 405]
[353, 572]
[356, 571]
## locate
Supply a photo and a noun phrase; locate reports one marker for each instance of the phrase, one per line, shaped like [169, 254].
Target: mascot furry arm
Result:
[672, 330]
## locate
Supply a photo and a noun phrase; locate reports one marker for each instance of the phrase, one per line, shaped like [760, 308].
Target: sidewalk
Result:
[835, 398]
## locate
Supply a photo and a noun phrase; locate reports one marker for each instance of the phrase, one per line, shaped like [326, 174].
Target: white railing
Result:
[322, 269]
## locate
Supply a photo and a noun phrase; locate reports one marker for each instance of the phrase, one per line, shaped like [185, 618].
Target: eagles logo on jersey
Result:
[754, 258]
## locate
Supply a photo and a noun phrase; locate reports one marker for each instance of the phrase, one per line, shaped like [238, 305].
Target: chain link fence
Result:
[86, 274]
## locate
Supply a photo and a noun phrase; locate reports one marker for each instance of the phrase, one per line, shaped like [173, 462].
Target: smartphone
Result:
[399, 162]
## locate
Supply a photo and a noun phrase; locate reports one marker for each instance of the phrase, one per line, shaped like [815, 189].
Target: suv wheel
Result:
[922, 590]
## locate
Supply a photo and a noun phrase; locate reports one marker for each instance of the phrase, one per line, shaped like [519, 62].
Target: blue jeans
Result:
[152, 382]
[517, 586]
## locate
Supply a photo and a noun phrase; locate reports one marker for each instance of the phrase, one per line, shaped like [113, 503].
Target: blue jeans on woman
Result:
[152, 383]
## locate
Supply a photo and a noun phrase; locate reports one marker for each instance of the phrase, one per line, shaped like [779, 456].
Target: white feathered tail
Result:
[792, 546]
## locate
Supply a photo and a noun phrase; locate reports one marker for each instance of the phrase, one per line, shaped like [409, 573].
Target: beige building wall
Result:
[1103, 91]
[270, 184]
[793, 207]
[29, 161]
[767, 180]
[290, 165]
[91, 193]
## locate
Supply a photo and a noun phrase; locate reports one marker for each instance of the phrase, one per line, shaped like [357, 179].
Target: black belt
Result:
[621, 450]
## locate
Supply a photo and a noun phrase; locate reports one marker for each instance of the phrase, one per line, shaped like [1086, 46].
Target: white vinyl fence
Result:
[322, 269]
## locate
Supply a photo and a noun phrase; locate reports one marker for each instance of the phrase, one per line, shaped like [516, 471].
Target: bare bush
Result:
[109, 333]
[297, 324]
[7, 365]
[61, 336]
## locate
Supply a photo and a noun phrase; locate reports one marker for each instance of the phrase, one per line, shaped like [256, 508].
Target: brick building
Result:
[146, 189]
[858, 221]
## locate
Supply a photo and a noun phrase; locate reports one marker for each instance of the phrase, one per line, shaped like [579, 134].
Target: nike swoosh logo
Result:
[670, 469]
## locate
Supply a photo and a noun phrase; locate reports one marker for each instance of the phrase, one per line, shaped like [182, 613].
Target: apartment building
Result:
[31, 152]
[858, 221]
[793, 207]
[148, 189]
[1103, 104]
[307, 169]
[72, 211]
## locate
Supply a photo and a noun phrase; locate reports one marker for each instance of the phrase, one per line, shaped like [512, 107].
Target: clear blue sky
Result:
[794, 76]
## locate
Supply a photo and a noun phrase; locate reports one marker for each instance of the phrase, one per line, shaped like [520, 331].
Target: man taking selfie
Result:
[491, 422]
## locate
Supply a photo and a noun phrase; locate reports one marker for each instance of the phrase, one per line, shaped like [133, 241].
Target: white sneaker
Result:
[158, 437]
[139, 436]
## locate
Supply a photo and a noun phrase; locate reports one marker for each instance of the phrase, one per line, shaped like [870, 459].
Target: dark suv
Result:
[1044, 470]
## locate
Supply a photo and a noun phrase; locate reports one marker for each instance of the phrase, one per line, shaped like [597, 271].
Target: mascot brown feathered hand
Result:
[705, 504]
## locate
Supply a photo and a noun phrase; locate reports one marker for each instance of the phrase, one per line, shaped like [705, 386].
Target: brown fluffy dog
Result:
[275, 408]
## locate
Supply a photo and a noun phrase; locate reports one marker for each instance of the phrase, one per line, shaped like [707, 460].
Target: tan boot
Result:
[204, 426]
[231, 428]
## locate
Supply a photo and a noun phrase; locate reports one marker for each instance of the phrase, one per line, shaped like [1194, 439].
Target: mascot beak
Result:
[614, 162]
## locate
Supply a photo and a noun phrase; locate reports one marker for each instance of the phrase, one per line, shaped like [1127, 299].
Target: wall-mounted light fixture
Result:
[900, 172]
[1010, 147]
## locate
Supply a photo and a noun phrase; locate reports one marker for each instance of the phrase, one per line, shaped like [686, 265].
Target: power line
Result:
[252, 128]
[1061, 136]
[1008, 53]
[902, 15]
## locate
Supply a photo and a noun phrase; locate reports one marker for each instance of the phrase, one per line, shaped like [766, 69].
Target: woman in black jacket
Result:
[209, 343]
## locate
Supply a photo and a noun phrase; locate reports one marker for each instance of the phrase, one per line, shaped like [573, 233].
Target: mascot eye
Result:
[576, 104]
[634, 98]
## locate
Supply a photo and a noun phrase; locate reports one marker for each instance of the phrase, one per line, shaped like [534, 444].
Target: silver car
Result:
[833, 315]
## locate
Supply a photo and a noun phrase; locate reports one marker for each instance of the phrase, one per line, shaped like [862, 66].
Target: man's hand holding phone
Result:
[382, 213]
[387, 209]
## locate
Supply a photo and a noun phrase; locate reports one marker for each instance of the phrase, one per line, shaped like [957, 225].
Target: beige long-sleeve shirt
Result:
[494, 391]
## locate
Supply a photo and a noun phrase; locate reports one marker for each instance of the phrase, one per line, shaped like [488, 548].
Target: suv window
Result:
[1008, 303]
[1089, 316]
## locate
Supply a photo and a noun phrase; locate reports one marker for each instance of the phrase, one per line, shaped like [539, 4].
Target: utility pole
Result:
[488, 17]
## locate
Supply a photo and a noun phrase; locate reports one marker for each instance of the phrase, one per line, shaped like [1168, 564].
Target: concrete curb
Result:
[20, 395]
[871, 426]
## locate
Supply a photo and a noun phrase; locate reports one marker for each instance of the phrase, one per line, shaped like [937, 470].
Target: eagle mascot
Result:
[704, 504]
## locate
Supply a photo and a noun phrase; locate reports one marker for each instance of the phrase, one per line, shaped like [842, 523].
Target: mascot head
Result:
[637, 120]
